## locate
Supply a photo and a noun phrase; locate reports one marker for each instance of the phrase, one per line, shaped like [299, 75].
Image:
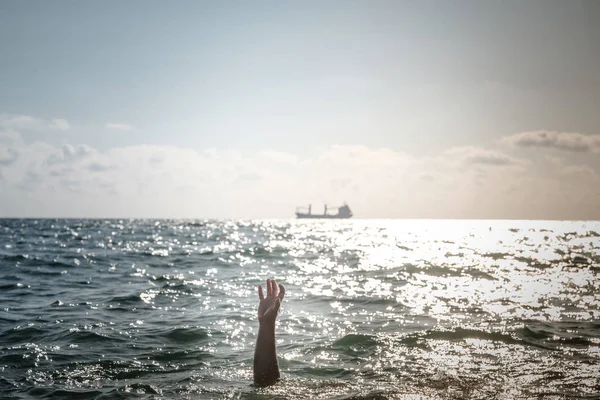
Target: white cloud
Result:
[579, 171]
[15, 121]
[567, 141]
[120, 127]
[481, 156]
[10, 137]
[79, 150]
[8, 156]
[39, 179]
[61, 124]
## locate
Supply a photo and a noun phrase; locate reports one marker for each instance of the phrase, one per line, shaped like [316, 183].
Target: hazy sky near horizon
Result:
[210, 109]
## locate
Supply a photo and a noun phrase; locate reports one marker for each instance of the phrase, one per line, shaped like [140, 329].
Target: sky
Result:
[212, 109]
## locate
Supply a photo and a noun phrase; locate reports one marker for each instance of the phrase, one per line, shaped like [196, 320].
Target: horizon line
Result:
[298, 219]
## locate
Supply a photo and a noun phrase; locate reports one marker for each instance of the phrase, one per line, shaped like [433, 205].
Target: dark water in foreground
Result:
[374, 309]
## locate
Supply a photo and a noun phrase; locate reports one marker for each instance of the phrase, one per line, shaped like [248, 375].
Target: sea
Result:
[374, 309]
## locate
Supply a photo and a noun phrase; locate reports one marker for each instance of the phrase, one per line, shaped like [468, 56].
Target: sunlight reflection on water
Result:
[395, 309]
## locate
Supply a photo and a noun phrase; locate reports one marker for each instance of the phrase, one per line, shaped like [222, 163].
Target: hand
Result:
[269, 306]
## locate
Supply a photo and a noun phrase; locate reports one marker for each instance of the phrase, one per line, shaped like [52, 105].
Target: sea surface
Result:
[374, 309]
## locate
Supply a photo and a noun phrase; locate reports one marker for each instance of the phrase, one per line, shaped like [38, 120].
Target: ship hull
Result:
[317, 216]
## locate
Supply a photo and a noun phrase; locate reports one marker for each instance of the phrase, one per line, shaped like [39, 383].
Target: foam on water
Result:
[374, 309]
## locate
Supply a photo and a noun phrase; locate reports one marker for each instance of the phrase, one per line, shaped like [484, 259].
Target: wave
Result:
[186, 335]
[359, 321]
[50, 393]
[559, 334]
[11, 286]
[88, 337]
[25, 260]
[131, 299]
[23, 334]
[356, 340]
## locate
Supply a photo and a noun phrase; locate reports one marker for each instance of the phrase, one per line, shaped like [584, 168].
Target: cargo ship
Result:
[341, 212]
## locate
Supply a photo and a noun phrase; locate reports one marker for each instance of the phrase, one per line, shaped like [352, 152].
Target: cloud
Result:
[69, 153]
[274, 156]
[77, 180]
[580, 171]
[7, 156]
[566, 141]
[364, 156]
[98, 167]
[9, 138]
[120, 127]
[80, 150]
[15, 121]
[61, 124]
[9, 148]
[479, 156]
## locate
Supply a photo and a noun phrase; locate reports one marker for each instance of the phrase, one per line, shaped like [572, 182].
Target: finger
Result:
[261, 296]
[274, 289]
[269, 288]
[281, 291]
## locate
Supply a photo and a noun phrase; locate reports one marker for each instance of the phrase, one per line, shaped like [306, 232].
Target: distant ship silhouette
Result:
[343, 212]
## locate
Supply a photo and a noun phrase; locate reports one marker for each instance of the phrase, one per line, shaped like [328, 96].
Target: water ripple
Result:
[104, 309]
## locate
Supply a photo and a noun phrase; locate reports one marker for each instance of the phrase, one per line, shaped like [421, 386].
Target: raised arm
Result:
[266, 368]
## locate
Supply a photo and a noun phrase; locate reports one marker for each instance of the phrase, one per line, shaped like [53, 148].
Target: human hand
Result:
[269, 306]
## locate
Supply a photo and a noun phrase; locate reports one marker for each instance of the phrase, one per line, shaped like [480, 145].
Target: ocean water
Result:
[375, 309]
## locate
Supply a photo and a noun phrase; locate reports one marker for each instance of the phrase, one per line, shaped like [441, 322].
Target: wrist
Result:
[266, 324]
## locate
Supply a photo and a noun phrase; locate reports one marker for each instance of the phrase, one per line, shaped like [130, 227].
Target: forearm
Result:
[266, 368]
